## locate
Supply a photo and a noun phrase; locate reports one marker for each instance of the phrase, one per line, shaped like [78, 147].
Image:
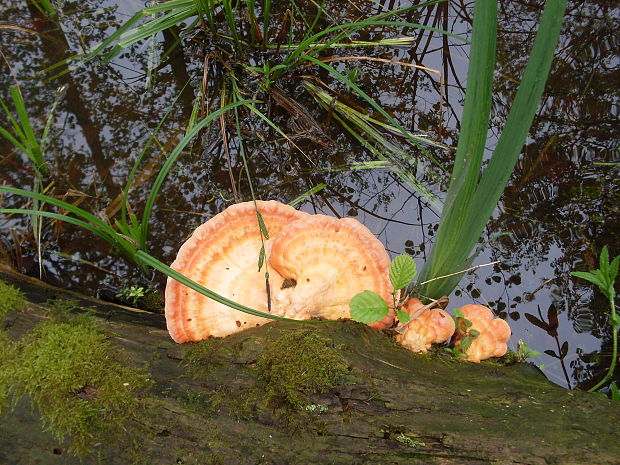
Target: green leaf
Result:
[474, 333]
[261, 257]
[368, 307]
[472, 198]
[261, 225]
[402, 316]
[402, 271]
[466, 343]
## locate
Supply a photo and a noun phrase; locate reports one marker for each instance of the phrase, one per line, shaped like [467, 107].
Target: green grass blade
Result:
[31, 143]
[305, 195]
[472, 139]
[88, 217]
[389, 152]
[65, 218]
[151, 261]
[521, 114]
[471, 203]
[150, 201]
[134, 169]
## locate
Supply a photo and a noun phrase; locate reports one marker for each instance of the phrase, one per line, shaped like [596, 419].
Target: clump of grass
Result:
[297, 364]
[75, 378]
[11, 299]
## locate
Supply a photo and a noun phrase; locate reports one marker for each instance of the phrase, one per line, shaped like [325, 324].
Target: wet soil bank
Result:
[388, 406]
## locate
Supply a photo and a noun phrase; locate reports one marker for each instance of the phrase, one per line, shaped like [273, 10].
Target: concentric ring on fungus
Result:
[222, 255]
[331, 260]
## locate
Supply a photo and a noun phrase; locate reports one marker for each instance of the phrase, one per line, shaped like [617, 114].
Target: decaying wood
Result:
[397, 407]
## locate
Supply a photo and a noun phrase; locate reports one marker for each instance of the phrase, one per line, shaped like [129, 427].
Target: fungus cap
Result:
[222, 255]
[494, 333]
[430, 327]
[330, 260]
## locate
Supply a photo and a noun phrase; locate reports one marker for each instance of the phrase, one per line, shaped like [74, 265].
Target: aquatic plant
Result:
[605, 279]
[472, 196]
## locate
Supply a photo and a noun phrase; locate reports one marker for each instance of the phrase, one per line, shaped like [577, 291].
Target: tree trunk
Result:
[394, 407]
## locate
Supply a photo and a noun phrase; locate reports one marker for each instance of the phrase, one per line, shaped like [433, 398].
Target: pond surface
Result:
[559, 210]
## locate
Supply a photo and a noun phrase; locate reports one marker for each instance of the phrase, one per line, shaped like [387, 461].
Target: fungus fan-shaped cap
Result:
[222, 255]
[331, 260]
[430, 327]
[494, 333]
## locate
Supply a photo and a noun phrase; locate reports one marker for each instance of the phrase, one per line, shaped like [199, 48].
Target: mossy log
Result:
[216, 406]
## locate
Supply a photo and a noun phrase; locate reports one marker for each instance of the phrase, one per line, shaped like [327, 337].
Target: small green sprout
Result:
[368, 306]
[605, 278]
[132, 294]
[524, 352]
[463, 325]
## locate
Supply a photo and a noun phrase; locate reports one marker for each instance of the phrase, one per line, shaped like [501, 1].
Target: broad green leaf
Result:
[368, 307]
[402, 271]
[402, 316]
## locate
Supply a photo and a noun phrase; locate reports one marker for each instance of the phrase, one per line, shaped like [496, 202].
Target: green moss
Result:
[201, 357]
[11, 299]
[76, 379]
[152, 302]
[6, 354]
[297, 364]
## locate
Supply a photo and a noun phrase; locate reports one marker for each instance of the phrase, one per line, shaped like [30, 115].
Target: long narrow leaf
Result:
[150, 201]
[471, 203]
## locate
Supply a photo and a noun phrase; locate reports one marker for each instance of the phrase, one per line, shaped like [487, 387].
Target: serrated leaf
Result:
[466, 343]
[368, 307]
[474, 333]
[402, 316]
[402, 271]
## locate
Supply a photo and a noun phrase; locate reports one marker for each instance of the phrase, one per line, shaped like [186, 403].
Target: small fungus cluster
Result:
[315, 265]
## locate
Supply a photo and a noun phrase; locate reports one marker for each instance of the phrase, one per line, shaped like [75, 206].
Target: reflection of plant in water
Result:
[551, 328]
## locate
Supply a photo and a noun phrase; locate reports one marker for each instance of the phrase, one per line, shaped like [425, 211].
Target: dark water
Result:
[560, 208]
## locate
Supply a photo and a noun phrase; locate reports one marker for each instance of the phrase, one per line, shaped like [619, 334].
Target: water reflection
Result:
[560, 208]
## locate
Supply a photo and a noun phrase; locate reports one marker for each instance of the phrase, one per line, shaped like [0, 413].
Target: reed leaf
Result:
[472, 199]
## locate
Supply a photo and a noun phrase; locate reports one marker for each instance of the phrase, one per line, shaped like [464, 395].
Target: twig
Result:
[458, 272]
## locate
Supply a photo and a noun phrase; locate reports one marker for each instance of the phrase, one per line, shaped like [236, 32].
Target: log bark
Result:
[396, 407]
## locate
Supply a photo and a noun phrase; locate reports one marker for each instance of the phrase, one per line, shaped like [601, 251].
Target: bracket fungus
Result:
[316, 264]
[222, 255]
[330, 260]
[494, 333]
[431, 326]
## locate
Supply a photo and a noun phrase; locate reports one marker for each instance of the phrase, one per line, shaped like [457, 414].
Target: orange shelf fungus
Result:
[316, 264]
[429, 327]
[494, 333]
[330, 260]
[222, 255]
